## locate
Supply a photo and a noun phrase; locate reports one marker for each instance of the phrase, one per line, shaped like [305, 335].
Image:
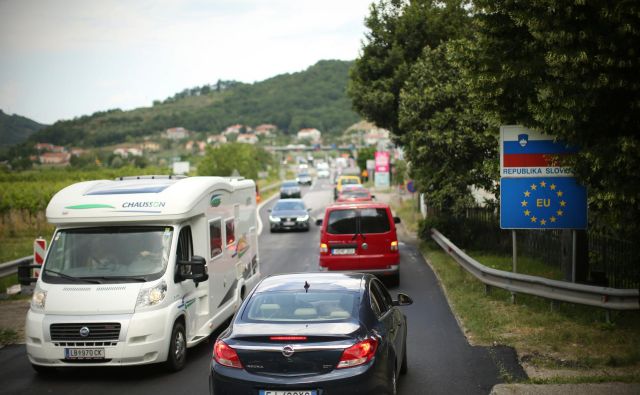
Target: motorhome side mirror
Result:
[24, 274]
[403, 300]
[396, 220]
[319, 222]
[195, 269]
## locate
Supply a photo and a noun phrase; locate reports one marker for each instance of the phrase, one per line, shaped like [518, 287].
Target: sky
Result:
[67, 58]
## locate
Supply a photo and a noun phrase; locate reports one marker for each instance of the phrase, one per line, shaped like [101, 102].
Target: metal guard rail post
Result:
[607, 298]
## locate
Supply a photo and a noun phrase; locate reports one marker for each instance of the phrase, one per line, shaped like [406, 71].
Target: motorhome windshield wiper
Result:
[109, 278]
[68, 277]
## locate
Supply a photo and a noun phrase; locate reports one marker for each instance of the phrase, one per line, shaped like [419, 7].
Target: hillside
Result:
[15, 129]
[315, 97]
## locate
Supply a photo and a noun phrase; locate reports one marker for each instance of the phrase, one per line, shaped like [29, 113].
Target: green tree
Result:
[569, 69]
[245, 158]
[398, 32]
[449, 145]
[365, 154]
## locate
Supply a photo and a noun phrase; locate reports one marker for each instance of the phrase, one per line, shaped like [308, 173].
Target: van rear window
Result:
[374, 220]
[342, 222]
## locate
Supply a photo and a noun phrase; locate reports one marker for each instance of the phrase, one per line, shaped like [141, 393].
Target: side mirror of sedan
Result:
[319, 222]
[396, 220]
[403, 300]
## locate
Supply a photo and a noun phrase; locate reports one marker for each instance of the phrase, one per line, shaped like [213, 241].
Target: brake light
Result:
[324, 249]
[288, 338]
[394, 246]
[225, 355]
[358, 354]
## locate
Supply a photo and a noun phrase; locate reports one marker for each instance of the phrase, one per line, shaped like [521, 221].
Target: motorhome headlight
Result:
[274, 219]
[303, 219]
[39, 298]
[151, 296]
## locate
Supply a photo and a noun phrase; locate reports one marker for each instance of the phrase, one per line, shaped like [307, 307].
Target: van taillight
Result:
[394, 246]
[358, 354]
[324, 249]
[225, 355]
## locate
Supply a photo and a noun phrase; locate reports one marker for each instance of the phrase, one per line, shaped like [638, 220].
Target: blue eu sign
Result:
[542, 203]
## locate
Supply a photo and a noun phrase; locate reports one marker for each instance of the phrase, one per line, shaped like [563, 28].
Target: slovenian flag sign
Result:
[528, 153]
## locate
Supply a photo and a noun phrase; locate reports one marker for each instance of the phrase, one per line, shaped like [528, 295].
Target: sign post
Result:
[39, 251]
[537, 188]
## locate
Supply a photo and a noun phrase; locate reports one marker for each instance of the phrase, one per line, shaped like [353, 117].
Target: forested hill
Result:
[15, 129]
[315, 97]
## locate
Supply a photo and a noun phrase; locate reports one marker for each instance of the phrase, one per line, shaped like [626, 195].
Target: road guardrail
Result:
[9, 268]
[607, 298]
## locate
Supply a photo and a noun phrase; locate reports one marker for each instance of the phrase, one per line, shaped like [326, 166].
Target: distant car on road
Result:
[344, 180]
[360, 237]
[304, 179]
[313, 334]
[323, 173]
[290, 189]
[289, 214]
[354, 194]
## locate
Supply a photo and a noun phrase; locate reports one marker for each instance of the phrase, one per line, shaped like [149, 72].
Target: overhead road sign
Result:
[528, 153]
[542, 203]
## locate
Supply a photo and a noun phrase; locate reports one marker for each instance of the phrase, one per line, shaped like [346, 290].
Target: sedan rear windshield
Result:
[294, 306]
[371, 220]
[288, 205]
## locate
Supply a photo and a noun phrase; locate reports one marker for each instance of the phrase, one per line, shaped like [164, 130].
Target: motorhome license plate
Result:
[84, 353]
[343, 251]
[306, 392]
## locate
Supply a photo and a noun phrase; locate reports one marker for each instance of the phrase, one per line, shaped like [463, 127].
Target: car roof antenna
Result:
[306, 287]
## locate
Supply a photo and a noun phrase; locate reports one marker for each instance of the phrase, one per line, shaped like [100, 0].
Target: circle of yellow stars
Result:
[556, 215]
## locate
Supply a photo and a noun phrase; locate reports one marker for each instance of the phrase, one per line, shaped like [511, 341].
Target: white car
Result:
[324, 173]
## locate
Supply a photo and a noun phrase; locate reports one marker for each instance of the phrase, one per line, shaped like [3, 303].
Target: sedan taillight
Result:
[225, 355]
[358, 354]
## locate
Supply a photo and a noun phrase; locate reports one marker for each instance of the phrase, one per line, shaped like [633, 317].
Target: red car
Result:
[358, 194]
[360, 237]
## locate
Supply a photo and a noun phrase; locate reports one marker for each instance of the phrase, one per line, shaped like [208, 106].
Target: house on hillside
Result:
[177, 133]
[216, 139]
[151, 146]
[126, 151]
[193, 145]
[311, 134]
[266, 129]
[55, 158]
[234, 129]
[46, 147]
[247, 138]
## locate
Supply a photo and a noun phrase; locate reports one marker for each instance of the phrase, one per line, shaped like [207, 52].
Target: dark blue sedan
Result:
[313, 334]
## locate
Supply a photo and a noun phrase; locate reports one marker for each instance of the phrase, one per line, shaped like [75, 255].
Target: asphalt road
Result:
[439, 358]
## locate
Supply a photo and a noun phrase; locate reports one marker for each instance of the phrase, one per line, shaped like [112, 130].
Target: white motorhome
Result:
[140, 269]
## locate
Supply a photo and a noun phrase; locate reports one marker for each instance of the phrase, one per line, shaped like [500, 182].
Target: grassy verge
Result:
[567, 337]
[570, 338]
[8, 336]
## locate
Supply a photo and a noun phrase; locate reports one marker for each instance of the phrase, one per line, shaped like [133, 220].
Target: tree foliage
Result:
[246, 159]
[569, 69]
[398, 32]
[450, 146]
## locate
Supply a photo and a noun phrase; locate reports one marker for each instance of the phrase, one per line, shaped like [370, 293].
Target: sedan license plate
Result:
[84, 353]
[288, 223]
[288, 392]
[343, 251]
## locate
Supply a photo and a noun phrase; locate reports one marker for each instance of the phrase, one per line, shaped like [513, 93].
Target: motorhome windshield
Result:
[108, 254]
